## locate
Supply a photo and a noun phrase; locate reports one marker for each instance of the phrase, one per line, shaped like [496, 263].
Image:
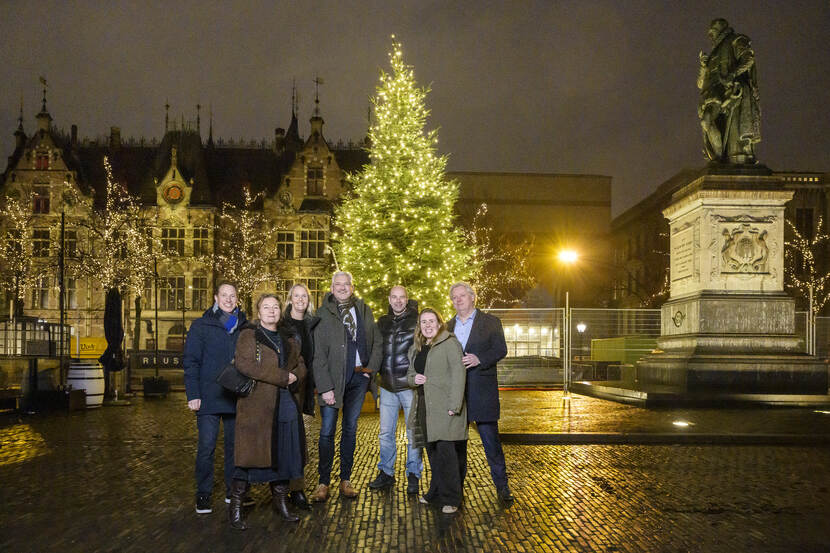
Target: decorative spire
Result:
[198, 120]
[210, 128]
[45, 86]
[44, 120]
[294, 99]
[317, 82]
[166, 115]
[20, 117]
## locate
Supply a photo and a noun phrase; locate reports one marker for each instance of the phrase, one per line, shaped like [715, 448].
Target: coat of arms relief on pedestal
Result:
[745, 244]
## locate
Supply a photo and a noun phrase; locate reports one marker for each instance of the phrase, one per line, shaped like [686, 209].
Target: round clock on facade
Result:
[173, 192]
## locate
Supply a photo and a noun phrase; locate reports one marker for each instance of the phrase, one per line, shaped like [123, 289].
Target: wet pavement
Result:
[121, 479]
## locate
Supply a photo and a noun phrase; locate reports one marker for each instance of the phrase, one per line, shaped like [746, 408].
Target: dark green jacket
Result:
[443, 391]
[329, 364]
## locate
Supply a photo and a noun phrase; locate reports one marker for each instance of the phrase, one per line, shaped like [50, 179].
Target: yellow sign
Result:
[92, 347]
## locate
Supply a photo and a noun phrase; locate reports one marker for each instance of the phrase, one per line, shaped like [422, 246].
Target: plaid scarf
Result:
[345, 310]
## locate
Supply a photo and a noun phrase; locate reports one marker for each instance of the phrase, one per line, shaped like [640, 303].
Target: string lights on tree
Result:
[397, 224]
[23, 262]
[247, 246]
[505, 276]
[803, 276]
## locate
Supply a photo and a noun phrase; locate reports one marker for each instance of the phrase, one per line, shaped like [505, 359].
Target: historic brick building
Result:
[181, 182]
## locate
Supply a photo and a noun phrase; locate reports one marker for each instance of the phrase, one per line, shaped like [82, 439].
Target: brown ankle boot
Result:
[279, 496]
[236, 515]
[346, 489]
[320, 494]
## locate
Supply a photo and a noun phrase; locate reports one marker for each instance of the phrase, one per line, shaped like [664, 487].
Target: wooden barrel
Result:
[87, 375]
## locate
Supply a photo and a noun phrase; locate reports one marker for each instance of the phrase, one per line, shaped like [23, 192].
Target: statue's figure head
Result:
[716, 27]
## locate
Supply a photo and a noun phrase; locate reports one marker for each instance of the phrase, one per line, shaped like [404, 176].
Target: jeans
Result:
[208, 428]
[390, 405]
[352, 402]
[489, 432]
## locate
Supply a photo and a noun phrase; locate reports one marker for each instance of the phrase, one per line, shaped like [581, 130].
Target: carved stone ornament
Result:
[285, 200]
[744, 250]
[677, 319]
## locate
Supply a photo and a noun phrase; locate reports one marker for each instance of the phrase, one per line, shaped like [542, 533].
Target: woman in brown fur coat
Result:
[270, 437]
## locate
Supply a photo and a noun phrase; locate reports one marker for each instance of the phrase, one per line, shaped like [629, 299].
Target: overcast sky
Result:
[601, 87]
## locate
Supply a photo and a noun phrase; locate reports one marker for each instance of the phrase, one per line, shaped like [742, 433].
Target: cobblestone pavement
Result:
[121, 479]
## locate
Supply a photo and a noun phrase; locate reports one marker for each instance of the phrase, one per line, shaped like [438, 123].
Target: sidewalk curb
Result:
[635, 438]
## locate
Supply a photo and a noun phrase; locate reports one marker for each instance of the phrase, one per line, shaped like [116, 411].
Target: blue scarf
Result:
[228, 320]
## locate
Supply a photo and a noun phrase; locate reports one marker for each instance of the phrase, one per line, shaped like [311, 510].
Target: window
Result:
[200, 242]
[40, 243]
[70, 243]
[283, 286]
[199, 293]
[312, 243]
[285, 245]
[42, 161]
[316, 290]
[171, 293]
[71, 290]
[314, 180]
[172, 241]
[40, 199]
[40, 293]
[804, 222]
[147, 295]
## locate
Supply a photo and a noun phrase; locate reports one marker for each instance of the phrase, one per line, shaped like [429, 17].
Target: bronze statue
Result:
[729, 110]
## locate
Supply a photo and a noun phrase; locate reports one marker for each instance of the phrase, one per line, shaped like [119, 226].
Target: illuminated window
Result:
[312, 243]
[147, 295]
[314, 180]
[71, 288]
[70, 243]
[283, 286]
[285, 245]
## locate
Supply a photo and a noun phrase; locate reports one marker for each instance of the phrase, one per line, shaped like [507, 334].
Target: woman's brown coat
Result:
[255, 443]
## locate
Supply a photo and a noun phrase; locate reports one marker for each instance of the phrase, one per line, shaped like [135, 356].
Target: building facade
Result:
[182, 183]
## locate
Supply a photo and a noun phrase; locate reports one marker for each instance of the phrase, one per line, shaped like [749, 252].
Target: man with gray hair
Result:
[347, 353]
[482, 337]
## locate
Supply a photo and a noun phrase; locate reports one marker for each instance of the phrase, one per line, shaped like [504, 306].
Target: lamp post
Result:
[184, 311]
[567, 257]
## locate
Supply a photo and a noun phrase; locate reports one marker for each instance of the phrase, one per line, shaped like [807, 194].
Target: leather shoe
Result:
[382, 481]
[505, 496]
[346, 489]
[320, 494]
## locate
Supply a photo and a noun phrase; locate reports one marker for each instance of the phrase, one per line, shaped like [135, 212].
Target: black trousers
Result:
[445, 487]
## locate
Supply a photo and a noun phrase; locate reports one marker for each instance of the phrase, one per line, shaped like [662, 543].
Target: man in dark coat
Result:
[347, 351]
[210, 345]
[398, 330]
[482, 338]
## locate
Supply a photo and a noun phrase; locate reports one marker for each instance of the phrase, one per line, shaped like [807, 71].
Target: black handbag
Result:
[234, 381]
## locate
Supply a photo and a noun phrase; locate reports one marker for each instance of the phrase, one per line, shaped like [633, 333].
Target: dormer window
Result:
[314, 180]
[42, 161]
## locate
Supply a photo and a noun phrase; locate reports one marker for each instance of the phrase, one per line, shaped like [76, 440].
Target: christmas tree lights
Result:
[397, 224]
[800, 265]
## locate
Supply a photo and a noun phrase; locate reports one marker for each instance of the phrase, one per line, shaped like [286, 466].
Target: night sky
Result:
[601, 87]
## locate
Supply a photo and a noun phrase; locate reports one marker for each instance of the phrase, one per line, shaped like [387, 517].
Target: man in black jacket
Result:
[398, 331]
[482, 338]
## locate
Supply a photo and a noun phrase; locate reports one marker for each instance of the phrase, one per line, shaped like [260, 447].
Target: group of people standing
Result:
[443, 376]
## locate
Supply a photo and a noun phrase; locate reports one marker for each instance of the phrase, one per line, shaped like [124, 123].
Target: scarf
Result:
[345, 310]
[228, 320]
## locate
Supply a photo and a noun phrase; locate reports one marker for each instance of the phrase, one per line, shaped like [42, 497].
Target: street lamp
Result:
[567, 257]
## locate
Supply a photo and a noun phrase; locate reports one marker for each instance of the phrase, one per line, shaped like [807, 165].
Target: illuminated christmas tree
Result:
[397, 224]
[247, 246]
[804, 276]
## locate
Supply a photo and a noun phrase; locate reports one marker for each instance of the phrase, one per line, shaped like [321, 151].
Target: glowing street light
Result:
[568, 256]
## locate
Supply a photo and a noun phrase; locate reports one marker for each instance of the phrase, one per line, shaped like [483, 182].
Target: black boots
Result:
[279, 495]
[235, 514]
[299, 500]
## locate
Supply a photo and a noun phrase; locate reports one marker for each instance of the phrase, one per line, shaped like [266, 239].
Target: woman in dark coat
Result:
[270, 435]
[298, 321]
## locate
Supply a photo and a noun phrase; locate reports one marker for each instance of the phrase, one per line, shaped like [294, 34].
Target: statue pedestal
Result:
[728, 328]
